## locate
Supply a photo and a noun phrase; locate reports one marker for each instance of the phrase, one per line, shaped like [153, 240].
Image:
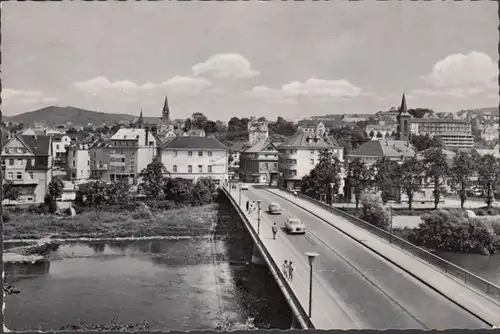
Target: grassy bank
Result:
[190, 221]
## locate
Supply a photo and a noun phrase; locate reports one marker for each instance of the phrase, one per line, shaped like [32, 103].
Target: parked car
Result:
[244, 187]
[295, 226]
[274, 209]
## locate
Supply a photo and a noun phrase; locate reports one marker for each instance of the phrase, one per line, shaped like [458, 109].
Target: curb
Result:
[387, 259]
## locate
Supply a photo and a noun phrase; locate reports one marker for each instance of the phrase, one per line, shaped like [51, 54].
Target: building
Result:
[312, 127]
[27, 165]
[404, 121]
[194, 157]
[436, 126]
[234, 159]
[372, 151]
[259, 163]
[301, 154]
[490, 132]
[380, 131]
[195, 133]
[78, 162]
[257, 131]
[456, 140]
[99, 160]
[60, 144]
[131, 151]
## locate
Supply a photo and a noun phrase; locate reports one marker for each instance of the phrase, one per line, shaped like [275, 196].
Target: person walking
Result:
[290, 271]
[248, 205]
[274, 228]
[285, 269]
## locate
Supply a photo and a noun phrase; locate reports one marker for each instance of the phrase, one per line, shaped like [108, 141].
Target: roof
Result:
[102, 144]
[196, 132]
[237, 146]
[333, 141]
[128, 134]
[305, 140]
[439, 120]
[194, 142]
[259, 146]
[385, 148]
[39, 145]
[308, 123]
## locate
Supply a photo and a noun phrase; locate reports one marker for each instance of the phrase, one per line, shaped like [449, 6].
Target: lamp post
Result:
[331, 193]
[390, 228]
[295, 196]
[310, 257]
[258, 217]
[239, 200]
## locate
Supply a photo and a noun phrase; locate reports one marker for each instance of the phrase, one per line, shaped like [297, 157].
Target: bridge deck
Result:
[353, 287]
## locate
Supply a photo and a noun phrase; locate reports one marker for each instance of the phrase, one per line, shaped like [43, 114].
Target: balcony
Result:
[23, 181]
[102, 166]
[117, 164]
[117, 156]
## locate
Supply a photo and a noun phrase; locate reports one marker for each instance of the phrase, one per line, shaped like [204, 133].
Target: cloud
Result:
[461, 75]
[225, 65]
[10, 95]
[180, 85]
[312, 88]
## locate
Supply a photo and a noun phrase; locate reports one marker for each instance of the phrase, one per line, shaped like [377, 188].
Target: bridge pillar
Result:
[257, 257]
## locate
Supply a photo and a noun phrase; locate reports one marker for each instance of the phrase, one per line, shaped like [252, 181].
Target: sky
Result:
[225, 59]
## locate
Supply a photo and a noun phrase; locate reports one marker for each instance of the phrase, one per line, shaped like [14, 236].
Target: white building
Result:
[78, 162]
[195, 157]
[257, 131]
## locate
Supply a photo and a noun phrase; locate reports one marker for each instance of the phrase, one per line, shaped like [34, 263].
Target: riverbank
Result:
[189, 221]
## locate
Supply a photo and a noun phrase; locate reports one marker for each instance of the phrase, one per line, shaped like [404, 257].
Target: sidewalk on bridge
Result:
[328, 312]
[467, 297]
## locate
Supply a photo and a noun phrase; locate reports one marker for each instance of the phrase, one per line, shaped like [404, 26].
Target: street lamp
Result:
[310, 257]
[295, 194]
[239, 200]
[258, 217]
[390, 229]
[331, 193]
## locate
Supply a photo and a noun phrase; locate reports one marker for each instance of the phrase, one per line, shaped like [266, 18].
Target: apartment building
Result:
[259, 163]
[490, 132]
[99, 160]
[436, 126]
[381, 131]
[131, 151]
[194, 157]
[313, 127]
[78, 165]
[257, 130]
[372, 151]
[60, 144]
[456, 140]
[27, 165]
[301, 154]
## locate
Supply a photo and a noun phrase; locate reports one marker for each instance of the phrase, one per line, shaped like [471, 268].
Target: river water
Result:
[184, 284]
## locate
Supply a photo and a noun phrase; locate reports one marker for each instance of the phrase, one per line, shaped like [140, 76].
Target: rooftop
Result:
[385, 148]
[128, 134]
[305, 140]
[194, 142]
[40, 145]
[439, 120]
[259, 146]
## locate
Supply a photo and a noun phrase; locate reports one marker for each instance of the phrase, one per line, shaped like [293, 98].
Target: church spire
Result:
[166, 110]
[403, 109]
[140, 120]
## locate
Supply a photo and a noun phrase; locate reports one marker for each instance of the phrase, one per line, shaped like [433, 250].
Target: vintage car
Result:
[295, 226]
[244, 187]
[274, 209]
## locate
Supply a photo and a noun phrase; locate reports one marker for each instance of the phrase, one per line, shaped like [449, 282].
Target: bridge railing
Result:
[467, 277]
[302, 316]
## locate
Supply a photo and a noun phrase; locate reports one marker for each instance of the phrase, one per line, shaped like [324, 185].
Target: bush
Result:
[50, 203]
[374, 212]
[5, 217]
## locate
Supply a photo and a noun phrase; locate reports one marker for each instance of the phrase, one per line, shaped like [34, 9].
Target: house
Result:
[27, 165]
[194, 157]
[234, 158]
[131, 151]
[490, 132]
[78, 162]
[257, 130]
[301, 154]
[312, 126]
[60, 144]
[372, 151]
[259, 163]
[380, 131]
[99, 160]
[195, 133]
[357, 117]
[435, 126]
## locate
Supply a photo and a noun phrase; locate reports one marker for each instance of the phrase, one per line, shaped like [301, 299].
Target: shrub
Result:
[373, 211]
[5, 217]
[50, 203]
[481, 212]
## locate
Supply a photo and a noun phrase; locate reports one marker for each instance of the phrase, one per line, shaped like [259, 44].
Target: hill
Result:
[61, 115]
[470, 113]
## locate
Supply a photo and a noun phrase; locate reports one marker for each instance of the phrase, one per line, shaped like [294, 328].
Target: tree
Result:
[359, 176]
[152, 178]
[56, 187]
[179, 190]
[380, 135]
[187, 125]
[199, 120]
[326, 173]
[489, 177]
[420, 112]
[409, 178]
[10, 191]
[436, 169]
[374, 212]
[371, 134]
[384, 171]
[462, 169]
[425, 142]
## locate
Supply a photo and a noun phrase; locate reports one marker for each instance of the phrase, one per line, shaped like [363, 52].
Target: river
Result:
[183, 284]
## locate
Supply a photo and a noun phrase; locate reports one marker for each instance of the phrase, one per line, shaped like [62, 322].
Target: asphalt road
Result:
[380, 294]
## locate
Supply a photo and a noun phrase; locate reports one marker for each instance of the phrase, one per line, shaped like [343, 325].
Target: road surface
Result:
[381, 295]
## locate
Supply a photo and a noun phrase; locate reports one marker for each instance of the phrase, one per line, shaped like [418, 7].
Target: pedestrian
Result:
[285, 269]
[248, 205]
[274, 228]
[290, 271]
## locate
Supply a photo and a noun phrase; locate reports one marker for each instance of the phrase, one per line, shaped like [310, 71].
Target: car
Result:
[274, 209]
[244, 187]
[295, 226]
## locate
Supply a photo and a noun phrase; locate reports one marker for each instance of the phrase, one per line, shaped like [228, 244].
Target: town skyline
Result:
[345, 66]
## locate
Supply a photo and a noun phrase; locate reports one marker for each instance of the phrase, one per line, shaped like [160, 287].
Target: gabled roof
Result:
[304, 140]
[39, 145]
[193, 143]
[334, 142]
[259, 146]
[237, 146]
[384, 148]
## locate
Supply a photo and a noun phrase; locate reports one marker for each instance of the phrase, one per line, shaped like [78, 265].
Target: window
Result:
[88, 162]
[266, 165]
[190, 153]
[19, 176]
[122, 159]
[200, 153]
[209, 153]
[73, 163]
[30, 174]
[190, 168]
[57, 146]
[10, 175]
[312, 151]
[210, 168]
[11, 162]
[175, 153]
[74, 153]
[174, 168]
[200, 169]
[312, 161]
[20, 161]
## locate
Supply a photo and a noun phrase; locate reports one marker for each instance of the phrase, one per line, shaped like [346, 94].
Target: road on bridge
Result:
[376, 292]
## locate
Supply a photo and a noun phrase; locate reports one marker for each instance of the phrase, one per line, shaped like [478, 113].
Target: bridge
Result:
[361, 280]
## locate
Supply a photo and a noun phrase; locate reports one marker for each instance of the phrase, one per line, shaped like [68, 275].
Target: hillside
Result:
[60, 115]
[474, 112]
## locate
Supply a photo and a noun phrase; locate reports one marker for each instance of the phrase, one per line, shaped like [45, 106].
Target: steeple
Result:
[140, 120]
[166, 111]
[403, 109]
[403, 121]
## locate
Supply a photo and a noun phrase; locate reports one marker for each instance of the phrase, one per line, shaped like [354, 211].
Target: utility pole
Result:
[1, 211]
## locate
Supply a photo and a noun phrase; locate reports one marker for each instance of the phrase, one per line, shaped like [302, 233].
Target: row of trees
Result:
[408, 176]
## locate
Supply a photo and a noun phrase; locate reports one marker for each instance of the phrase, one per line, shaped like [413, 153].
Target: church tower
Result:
[404, 121]
[140, 120]
[165, 117]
